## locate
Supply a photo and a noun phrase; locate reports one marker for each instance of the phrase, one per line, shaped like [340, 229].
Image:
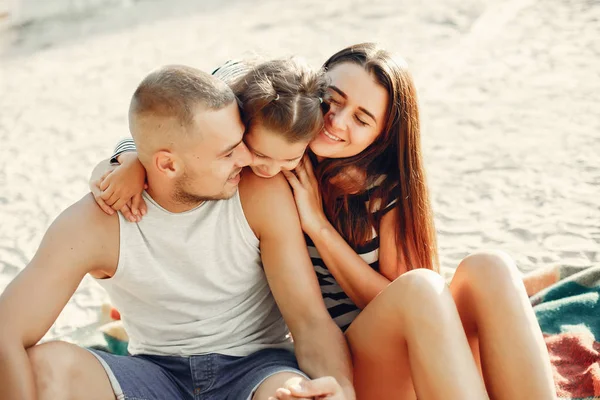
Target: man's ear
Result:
[168, 164]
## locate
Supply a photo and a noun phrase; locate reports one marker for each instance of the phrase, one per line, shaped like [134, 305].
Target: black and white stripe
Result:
[341, 308]
[231, 71]
[123, 146]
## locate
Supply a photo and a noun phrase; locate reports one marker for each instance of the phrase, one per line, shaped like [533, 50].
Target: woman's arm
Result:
[358, 280]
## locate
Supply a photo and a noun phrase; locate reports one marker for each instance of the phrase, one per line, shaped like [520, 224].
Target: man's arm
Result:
[320, 345]
[82, 239]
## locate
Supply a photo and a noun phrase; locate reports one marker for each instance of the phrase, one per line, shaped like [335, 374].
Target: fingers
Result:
[308, 165]
[121, 203]
[305, 172]
[97, 196]
[301, 172]
[317, 387]
[104, 182]
[105, 207]
[285, 394]
[107, 192]
[138, 205]
[143, 206]
[126, 211]
[112, 199]
[307, 390]
[292, 179]
[308, 174]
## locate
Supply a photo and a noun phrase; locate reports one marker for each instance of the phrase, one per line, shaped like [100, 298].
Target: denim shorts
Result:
[202, 377]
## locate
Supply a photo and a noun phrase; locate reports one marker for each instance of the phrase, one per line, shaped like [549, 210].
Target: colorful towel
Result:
[566, 302]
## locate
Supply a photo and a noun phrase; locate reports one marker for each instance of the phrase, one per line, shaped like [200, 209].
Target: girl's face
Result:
[357, 112]
[271, 152]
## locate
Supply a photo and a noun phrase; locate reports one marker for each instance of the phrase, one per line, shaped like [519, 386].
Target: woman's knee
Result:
[421, 294]
[417, 282]
[489, 270]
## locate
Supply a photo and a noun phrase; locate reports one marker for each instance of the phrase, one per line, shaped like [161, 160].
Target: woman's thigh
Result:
[379, 354]
[410, 340]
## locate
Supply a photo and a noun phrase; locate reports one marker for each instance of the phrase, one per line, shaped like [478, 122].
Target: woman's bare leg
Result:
[410, 339]
[501, 325]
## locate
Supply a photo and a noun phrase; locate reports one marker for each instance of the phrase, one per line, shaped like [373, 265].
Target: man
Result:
[188, 279]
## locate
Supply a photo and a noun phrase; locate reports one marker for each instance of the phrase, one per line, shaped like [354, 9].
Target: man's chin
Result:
[186, 198]
[226, 194]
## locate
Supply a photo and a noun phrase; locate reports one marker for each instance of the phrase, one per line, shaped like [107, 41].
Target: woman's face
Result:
[271, 152]
[357, 112]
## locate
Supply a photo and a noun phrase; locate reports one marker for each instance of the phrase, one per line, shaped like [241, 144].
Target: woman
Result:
[412, 334]
[365, 208]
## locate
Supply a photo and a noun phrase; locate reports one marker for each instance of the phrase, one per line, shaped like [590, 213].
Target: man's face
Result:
[213, 161]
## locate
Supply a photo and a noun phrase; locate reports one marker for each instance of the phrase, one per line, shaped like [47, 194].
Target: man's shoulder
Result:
[84, 235]
[86, 215]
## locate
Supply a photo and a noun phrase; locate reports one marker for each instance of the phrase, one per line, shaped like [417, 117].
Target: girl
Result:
[364, 205]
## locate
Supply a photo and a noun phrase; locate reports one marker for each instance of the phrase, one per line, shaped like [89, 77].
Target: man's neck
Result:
[165, 200]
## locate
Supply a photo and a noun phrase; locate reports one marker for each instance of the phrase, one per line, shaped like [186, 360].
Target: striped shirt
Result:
[341, 308]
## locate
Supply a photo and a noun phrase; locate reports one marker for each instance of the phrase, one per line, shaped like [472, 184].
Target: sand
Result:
[510, 95]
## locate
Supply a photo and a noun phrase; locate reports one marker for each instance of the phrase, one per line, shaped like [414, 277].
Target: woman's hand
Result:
[307, 196]
[119, 188]
[319, 389]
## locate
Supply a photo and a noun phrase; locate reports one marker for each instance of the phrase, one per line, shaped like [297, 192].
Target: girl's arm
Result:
[117, 184]
[124, 146]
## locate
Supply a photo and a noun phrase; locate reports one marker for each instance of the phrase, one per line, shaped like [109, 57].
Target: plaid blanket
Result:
[566, 302]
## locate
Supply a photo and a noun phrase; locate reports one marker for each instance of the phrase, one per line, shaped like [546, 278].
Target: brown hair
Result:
[285, 96]
[173, 91]
[395, 155]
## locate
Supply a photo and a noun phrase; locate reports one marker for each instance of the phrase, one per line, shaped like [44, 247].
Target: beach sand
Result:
[509, 93]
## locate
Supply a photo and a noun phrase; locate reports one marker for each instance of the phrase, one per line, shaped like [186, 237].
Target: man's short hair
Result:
[175, 90]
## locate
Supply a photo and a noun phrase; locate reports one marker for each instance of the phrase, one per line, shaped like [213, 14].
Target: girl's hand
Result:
[98, 174]
[123, 186]
[307, 196]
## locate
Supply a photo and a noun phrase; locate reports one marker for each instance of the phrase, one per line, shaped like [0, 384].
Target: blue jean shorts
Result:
[202, 377]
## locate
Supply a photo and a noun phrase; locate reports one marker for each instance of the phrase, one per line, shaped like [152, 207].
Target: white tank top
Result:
[192, 283]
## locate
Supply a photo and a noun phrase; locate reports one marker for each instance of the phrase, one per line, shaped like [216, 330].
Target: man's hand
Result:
[321, 388]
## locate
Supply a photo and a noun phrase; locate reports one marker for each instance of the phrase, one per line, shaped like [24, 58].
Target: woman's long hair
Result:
[395, 155]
